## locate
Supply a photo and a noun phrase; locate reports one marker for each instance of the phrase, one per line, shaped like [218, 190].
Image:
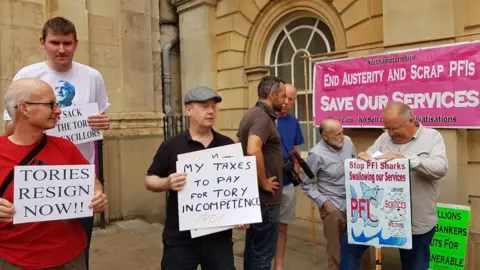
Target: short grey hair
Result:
[406, 113]
[401, 109]
[15, 94]
[269, 84]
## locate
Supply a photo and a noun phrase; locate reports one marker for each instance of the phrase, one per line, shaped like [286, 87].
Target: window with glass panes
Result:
[293, 39]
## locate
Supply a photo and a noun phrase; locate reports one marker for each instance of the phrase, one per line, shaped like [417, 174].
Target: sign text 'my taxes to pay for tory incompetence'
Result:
[219, 192]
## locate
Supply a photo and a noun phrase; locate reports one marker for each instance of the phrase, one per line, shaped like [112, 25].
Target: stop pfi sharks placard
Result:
[378, 203]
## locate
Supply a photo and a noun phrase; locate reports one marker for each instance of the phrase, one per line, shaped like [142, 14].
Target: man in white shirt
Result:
[72, 82]
[406, 138]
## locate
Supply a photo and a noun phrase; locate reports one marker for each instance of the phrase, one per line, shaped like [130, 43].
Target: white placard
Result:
[378, 203]
[73, 124]
[219, 192]
[43, 193]
[232, 150]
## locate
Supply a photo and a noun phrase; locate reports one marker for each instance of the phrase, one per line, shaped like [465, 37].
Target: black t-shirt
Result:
[165, 163]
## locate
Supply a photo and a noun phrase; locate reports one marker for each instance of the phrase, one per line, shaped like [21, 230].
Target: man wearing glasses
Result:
[55, 244]
[404, 137]
[72, 82]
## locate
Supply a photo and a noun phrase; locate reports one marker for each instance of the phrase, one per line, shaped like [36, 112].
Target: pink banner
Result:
[441, 85]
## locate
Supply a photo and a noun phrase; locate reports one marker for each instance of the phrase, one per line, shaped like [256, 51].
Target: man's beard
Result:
[336, 145]
[277, 108]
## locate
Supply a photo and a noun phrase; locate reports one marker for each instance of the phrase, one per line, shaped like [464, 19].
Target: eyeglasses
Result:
[394, 130]
[53, 104]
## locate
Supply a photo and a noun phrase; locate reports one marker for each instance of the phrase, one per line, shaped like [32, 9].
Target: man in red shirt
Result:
[55, 244]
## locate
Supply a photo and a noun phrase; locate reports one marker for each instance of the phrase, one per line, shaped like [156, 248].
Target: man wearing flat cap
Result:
[213, 251]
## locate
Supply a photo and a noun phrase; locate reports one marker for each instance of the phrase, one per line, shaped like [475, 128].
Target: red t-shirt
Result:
[40, 244]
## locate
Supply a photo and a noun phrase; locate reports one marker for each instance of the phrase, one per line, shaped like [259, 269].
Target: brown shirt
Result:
[262, 124]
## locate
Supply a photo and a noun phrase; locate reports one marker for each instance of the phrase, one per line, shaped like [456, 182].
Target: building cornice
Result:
[256, 72]
[185, 5]
[134, 124]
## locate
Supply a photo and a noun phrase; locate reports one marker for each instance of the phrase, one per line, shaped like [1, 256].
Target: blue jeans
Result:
[417, 258]
[261, 240]
[87, 224]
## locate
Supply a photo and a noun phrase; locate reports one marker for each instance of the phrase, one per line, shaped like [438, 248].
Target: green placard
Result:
[449, 245]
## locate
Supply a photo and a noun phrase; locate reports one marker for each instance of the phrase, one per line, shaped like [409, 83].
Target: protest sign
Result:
[73, 124]
[449, 245]
[227, 151]
[378, 203]
[441, 84]
[218, 192]
[43, 193]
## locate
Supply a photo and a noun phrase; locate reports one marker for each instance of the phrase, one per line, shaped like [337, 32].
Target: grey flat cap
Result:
[201, 94]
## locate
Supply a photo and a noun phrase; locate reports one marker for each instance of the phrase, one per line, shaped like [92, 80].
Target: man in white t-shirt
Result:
[72, 82]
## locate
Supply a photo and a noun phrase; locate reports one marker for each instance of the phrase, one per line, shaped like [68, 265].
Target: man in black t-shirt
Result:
[213, 251]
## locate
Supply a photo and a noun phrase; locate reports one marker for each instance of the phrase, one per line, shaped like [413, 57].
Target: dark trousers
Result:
[261, 240]
[87, 224]
[212, 255]
[417, 258]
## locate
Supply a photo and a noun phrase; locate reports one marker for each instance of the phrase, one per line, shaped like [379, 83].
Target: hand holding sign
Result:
[99, 202]
[364, 156]
[80, 124]
[99, 121]
[390, 156]
[6, 211]
[242, 227]
[271, 185]
[176, 181]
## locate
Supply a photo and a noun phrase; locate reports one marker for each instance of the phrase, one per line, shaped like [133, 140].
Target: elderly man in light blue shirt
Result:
[424, 147]
[326, 160]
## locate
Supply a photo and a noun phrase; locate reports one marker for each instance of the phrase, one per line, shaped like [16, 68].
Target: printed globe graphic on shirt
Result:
[65, 92]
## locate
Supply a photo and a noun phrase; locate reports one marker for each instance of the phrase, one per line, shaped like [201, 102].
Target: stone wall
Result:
[123, 40]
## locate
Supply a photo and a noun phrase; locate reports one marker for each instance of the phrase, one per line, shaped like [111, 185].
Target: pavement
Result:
[137, 245]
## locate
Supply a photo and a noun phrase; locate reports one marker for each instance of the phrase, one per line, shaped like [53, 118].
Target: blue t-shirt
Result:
[291, 134]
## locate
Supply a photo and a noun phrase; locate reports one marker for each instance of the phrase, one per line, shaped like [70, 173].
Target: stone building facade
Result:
[229, 45]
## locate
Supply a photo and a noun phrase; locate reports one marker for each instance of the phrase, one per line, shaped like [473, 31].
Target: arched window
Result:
[294, 38]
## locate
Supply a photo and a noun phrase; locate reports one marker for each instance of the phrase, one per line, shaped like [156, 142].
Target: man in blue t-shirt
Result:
[291, 134]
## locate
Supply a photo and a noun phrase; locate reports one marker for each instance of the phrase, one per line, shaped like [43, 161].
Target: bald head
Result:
[398, 109]
[331, 131]
[399, 122]
[291, 93]
[291, 89]
[27, 89]
[328, 124]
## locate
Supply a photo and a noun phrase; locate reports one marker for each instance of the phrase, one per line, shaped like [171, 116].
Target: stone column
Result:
[254, 75]
[20, 31]
[197, 43]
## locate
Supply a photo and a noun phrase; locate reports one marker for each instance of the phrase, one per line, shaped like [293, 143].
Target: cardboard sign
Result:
[220, 192]
[73, 124]
[449, 245]
[43, 193]
[378, 203]
[227, 151]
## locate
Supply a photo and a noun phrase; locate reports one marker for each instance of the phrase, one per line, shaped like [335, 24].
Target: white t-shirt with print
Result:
[80, 85]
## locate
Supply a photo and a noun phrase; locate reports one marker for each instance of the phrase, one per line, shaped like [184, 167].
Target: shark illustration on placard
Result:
[395, 214]
[372, 196]
[397, 196]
